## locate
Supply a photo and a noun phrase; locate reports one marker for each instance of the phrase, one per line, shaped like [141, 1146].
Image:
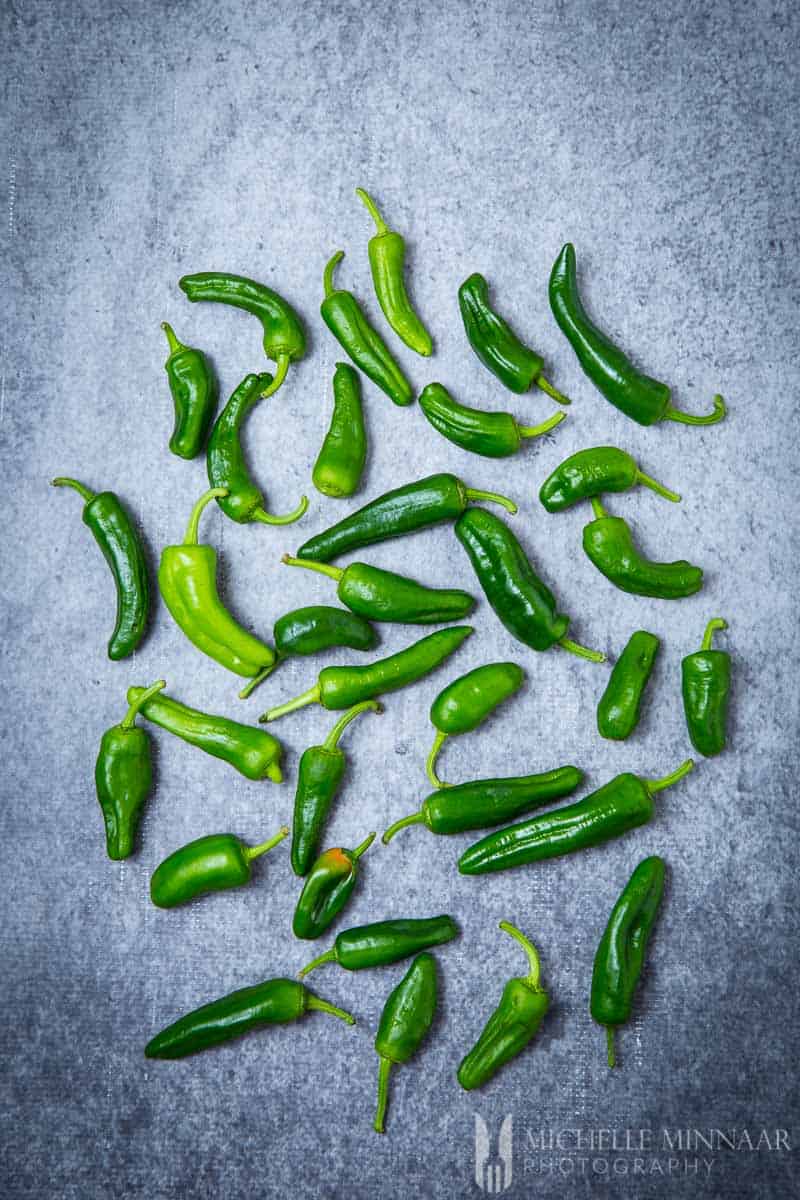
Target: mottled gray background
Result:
[142, 141]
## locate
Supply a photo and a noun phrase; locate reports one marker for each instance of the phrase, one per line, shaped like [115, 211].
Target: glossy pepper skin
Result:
[253, 752]
[514, 1023]
[317, 627]
[620, 956]
[467, 701]
[492, 434]
[519, 598]
[405, 509]
[387, 255]
[623, 803]
[121, 546]
[385, 942]
[608, 542]
[385, 596]
[643, 399]
[273, 1002]
[340, 687]
[592, 472]
[406, 1018]
[318, 778]
[340, 462]
[123, 776]
[208, 864]
[194, 394]
[328, 886]
[620, 704]
[348, 323]
[706, 683]
[238, 497]
[482, 803]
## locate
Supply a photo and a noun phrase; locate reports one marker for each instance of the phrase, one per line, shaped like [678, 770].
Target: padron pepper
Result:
[492, 434]
[608, 542]
[387, 253]
[327, 888]
[706, 683]
[123, 776]
[406, 1018]
[208, 864]
[340, 462]
[466, 702]
[594, 471]
[620, 704]
[385, 942]
[313, 629]
[194, 395]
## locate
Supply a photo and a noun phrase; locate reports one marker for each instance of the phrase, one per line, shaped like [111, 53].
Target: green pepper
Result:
[644, 399]
[492, 434]
[194, 394]
[187, 579]
[387, 253]
[284, 340]
[208, 864]
[318, 778]
[313, 629]
[240, 499]
[591, 472]
[496, 344]
[115, 534]
[516, 593]
[706, 682]
[348, 323]
[406, 1018]
[623, 803]
[620, 955]
[384, 596]
[467, 701]
[513, 1024]
[403, 510]
[339, 687]
[385, 942]
[620, 704]
[123, 776]
[340, 462]
[328, 886]
[482, 803]
[608, 542]
[273, 1002]
[253, 752]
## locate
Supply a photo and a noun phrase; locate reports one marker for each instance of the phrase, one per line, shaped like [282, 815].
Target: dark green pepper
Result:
[514, 1023]
[385, 942]
[591, 472]
[123, 776]
[620, 955]
[340, 462]
[467, 701]
[328, 886]
[492, 434]
[608, 542]
[313, 629]
[618, 710]
[387, 253]
[208, 864]
[194, 394]
[406, 1018]
[706, 682]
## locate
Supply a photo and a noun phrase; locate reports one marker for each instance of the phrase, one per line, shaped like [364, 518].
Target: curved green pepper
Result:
[208, 864]
[492, 434]
[194, 394]
[406, 1018]
[313, 629]
[620, 703]
[609, 544]
[620, 956]
[706, 683]
[340, 462]
[644, 399]
[467, 701]
[591, 472]
[385, 942]
[115, 534]
[387, 254]
[123, 776]
[514, 1023]
[328, 887]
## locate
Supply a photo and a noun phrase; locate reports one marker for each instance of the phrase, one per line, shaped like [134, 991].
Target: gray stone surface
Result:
[147, 140]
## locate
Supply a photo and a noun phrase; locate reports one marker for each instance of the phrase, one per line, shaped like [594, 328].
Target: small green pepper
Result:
[492, 434]
[467, 701]
[340, 462]
[406, 1018]
[591, 472]
[313, 629]
[706, 683]
[328, 886]
[609, 544]
[208, 864]
[194, 394]
[123, 776]
[385, 942]
[620, 704]
[387, 253]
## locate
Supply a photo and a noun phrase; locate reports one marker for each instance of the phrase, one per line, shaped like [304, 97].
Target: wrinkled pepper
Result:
[466, 702]
[492, 434]
[385, 942]
[592, 472]
[123, 776]
[194, 395]
[327, 888]
[387, 254]
[608, 542]
[208, 864]
[340, 462]
[406, 1018]
[706, 684]
[620, 704]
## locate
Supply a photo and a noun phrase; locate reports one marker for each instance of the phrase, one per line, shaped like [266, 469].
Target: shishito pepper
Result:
[467, 701]
[385, 942]
[406, 1018]
[706, 683]
[327, 888]
[313, 629]
[123, 777]
[387, 253]
[340, 462]
[618, 710]
[208, 864]
[609, 544]
[492, 434]
[592, 472]
[194, 394]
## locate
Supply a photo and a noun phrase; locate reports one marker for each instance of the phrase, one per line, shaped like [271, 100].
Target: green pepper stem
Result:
[532, 431]
[372, 209]
[384, 1072]
[550, 391]
[190, 537]
[417, 818]
[365, 845]
[323, 568]
[332, 740]
[330, 267]
[259, 514]
[328, 956]
[597, 508]
[252, 684]
[576, 648]
[174, 344]
[281, 367]
[657, 487]
[127, 721]
[315, 1004]
[309, 697]
[674, 414]
[612, 1058]
[658, 785]
[533, 976]
[477, 494]
[64, 481]
[714, 624]
[251, 852]
[430, 762]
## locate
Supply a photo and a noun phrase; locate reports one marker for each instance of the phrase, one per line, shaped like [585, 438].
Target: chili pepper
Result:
[187, 579]
[406, 1018]
[327, 889]
[608, 542]
[620, 955]
[339, 687]
[590, 472]
[208, 864]
[115, 534]
[284, 340]
[253, 752]
[467, 701]
[706, 682]
[644, 399]
[513, 1024]
[387, 253]
[413, 506]
[194, 394]
[496, 344]
[340, 462]
[315, 628]
[618, 710]
[241, 499]
[348, 323]
[385, 596]
[516, 593]
[492, 434]
[273, 1002]
[318, 778]
[385, 942]
[123, 776]
[482, 803]
[623, 803]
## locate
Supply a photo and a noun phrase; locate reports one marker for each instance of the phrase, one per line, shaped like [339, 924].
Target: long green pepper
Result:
[406, 1018]
[340, 462]
[620, 704]
[492, 434]
[387, 253]
[194, 395]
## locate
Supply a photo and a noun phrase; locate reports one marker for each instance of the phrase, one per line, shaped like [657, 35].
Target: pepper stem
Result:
[552, 392]
[174, 344]
[658, 785]
[477, 494]
[365, 845]
[384, 1072]
[657, 487]
[532, 431]
[430, 762]
[190, 537]
[331, 265]
[532, 978]
[323, 568]
[128, 720]
[576, 648]
[64, 481]
[711, 627]
[612, 1058]
[372, 209]
[328, 956]
[315, 1004]
[281, 367]
[674, 414]
[597, 508]
[251, 686]
[309, 697]
[251, 852]
[259, 514]
[417, 818]
[332, 740]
